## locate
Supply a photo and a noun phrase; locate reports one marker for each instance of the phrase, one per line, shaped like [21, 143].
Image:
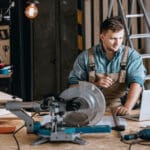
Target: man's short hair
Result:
[114, 23]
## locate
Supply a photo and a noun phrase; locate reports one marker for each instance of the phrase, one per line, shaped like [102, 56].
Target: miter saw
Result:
[77, 110]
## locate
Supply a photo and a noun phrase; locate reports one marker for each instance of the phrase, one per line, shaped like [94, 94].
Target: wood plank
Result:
[6, 130]
[88, 30]
[5, 97]
[105, 9]
[96, 22]
[115, 8]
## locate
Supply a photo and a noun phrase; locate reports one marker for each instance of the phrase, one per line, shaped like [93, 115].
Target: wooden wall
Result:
[98, 10]
[62, 30]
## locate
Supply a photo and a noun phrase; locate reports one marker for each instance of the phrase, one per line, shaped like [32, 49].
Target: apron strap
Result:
[92, 75]
[122, 75]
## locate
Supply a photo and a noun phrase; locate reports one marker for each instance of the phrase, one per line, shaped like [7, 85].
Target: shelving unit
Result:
[5, 52]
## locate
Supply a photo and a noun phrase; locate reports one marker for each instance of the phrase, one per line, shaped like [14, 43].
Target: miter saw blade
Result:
[92, 104]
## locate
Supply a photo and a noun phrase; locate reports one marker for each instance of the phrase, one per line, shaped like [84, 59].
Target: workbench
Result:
[98, 141]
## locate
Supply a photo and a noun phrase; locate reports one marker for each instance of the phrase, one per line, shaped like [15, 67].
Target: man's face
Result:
[112, 40]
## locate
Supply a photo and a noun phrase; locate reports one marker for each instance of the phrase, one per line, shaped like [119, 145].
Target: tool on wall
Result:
[5, 12]
[76, 111]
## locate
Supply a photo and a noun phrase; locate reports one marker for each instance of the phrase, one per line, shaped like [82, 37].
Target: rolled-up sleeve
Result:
[136, 71]
[79, 71]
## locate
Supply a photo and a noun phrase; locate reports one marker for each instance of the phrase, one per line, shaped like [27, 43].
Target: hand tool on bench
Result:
[118, 127]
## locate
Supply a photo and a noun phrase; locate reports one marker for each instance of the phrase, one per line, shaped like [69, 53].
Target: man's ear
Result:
[101, 36]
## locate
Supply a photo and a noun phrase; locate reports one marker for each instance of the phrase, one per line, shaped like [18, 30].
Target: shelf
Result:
[5, 75]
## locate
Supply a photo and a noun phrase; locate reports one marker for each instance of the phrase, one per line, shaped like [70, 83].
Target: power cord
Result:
[14, 135]
[15, 132]
[140, 142]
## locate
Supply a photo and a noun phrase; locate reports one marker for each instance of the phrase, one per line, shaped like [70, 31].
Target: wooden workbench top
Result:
[100, 141]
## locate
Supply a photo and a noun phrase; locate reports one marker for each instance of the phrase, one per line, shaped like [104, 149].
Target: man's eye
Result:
[116, 38]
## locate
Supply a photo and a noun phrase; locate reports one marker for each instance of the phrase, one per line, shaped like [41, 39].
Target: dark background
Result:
[42, 50]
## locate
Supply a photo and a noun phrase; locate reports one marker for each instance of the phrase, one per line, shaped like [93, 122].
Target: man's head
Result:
[112, 33]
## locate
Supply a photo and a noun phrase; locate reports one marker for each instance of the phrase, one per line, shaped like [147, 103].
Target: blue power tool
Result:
[143, 134]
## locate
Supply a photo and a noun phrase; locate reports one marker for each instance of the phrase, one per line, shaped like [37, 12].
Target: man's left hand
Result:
[122, 110]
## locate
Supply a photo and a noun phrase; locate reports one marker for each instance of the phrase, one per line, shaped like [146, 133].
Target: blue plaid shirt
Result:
[135, 69]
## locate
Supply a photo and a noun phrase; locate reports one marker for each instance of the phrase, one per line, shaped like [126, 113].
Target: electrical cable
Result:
[140, 143]
[134, 142]
[16, 140]
[15, 132]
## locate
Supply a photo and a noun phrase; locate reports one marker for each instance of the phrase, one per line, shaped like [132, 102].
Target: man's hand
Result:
[132, 97]
[104, 82]
[121, 110]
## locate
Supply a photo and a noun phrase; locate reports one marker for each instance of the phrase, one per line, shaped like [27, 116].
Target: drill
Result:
[143, 134]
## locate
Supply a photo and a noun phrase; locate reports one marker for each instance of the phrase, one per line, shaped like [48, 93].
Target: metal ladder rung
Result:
[134, 15]
[145, 56]
[146, 35]
[147, 77]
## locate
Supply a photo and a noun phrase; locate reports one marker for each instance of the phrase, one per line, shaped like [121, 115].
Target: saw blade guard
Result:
[91, 101]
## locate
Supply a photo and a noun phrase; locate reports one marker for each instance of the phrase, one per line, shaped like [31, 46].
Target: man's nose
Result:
[117, 40]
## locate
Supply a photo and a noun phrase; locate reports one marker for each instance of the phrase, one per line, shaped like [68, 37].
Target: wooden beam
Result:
[88, 31]
[96, 22]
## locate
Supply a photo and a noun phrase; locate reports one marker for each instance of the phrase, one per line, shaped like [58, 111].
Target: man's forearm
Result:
[133, 95]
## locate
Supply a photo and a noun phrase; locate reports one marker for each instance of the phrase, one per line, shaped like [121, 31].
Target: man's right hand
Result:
[104, 82]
